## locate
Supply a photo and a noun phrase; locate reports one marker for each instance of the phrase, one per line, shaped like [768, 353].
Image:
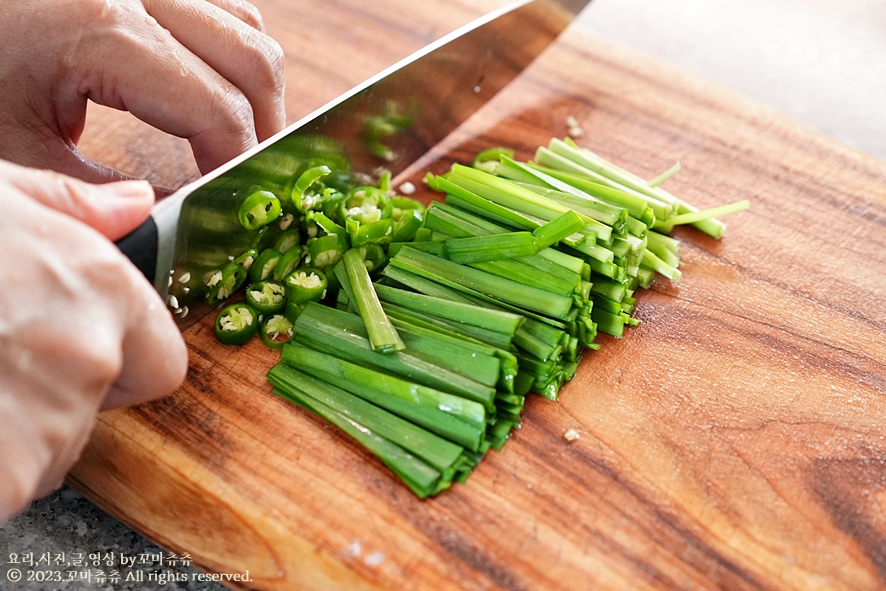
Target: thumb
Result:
[113, 209]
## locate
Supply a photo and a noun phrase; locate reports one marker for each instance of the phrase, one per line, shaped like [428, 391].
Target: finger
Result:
[114, 209]
[246, 57]
[243, 10]
[134, 351]
[68, 160]
[48, 149]
[145, 71]
[44, 149]
[155, 358]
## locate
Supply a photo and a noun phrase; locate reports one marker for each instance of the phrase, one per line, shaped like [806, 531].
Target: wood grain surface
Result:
[734, 440]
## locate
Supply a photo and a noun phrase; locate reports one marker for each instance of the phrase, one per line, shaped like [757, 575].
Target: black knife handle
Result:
[140, 246]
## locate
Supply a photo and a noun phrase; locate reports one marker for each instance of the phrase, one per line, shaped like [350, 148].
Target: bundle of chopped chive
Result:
[420, 332]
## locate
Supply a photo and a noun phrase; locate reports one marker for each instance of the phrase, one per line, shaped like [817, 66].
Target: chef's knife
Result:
[193, 232]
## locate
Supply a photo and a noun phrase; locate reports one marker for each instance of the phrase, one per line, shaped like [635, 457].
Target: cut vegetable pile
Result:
[420, 332]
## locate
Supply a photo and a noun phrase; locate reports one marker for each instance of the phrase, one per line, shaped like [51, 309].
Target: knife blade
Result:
[193, 232]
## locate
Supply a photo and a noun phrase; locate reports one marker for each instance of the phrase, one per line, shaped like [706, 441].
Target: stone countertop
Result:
[68, 530]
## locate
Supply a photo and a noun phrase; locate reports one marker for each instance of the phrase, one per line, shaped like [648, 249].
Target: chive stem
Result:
[664, 176]
[382, 334]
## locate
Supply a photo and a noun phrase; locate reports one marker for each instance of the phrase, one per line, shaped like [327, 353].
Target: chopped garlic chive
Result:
[665, 175]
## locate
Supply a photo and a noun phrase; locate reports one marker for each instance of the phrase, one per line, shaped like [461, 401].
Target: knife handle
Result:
[140, 246]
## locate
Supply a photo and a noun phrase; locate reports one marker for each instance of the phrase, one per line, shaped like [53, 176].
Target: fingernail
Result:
[131, 189]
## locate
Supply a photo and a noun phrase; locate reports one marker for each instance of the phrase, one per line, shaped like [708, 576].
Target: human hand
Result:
[198, 69]
[80, 328]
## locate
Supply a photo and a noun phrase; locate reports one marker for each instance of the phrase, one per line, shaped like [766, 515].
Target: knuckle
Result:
[92, 11]
[110, 271]
[102, 364]
[266, 60]
[87, 9]
[249, 14]
[275, 58]
[95, 350]
[60, 193]
[110, 279]
[77, 194]
[235, 109]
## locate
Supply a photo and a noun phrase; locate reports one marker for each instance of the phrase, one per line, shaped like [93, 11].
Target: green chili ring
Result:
[305, 181]
[326, 250]
[373, 256]
[287, 263]
[328, 225]
[246, 259]
[307, 284]
[259, 209]
[276, 331]
[406, 227]
[225, 283]
[404, 205]
[287, 240]
[380, 232]
[293, 311]
[268, 297]
[236, 324]
[365, 205]
[332, 207]
[263, 267]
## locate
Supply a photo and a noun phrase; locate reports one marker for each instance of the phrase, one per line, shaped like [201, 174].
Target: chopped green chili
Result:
[276, 331]
[365, 204]
[302, 198]
[267, 297]
[326, 250]
[263, 267]
[226, 282]
[259, 209]
[236, 324]
[287, 240]
[288, 262]
[305, 284]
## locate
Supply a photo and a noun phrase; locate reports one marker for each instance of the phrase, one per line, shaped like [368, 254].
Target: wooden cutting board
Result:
[733, 440]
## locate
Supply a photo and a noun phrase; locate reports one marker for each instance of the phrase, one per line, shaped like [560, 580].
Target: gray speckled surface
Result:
[67, 527]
